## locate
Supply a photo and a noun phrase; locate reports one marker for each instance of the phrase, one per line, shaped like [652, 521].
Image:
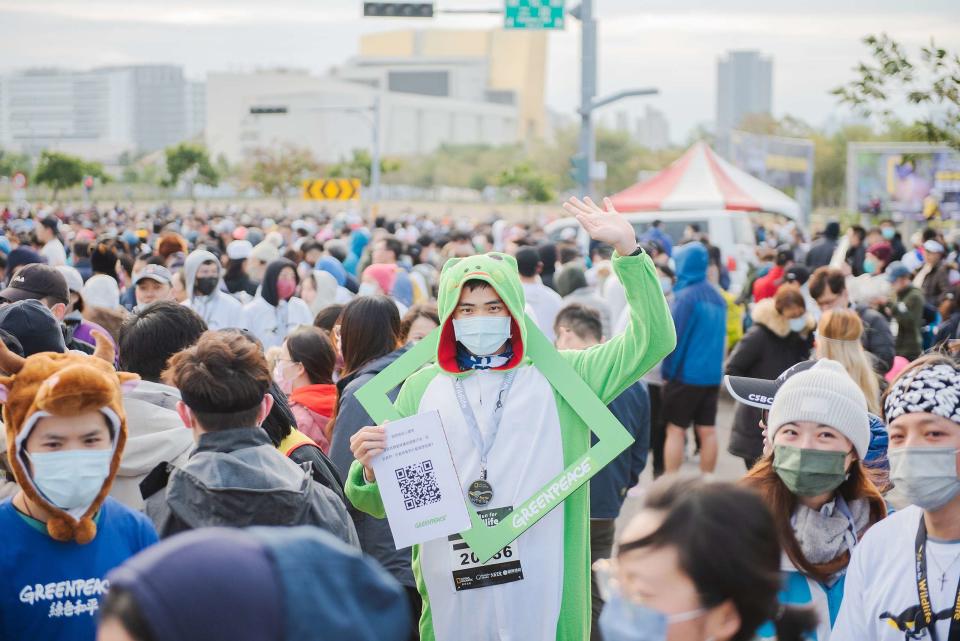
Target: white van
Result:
[731, 231]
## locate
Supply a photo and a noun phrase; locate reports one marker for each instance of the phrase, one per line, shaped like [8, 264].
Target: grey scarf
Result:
[826, 533]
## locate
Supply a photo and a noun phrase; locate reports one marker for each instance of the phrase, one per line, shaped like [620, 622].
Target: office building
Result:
[330, 116]
[98, 114]
[744, 86]
[497, 66]
[653, 130]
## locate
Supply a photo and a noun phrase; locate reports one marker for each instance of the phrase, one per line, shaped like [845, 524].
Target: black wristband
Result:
[637, 251]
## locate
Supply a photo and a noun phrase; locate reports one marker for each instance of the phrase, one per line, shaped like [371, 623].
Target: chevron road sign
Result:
[331, 189]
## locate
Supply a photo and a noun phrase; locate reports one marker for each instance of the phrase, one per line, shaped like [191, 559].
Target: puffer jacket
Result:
[767, 349]
[237, 478]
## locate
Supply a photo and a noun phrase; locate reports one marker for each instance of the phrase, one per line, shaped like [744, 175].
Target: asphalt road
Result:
[729, 467]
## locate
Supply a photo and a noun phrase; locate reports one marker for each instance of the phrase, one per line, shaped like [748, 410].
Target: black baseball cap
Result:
[35, 281]
[759, 392]
[34, 326]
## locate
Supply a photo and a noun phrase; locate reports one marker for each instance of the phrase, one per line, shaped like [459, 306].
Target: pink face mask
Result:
[285, 384]
[286, 287]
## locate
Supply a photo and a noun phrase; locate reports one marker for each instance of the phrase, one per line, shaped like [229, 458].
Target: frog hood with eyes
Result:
[500, 271]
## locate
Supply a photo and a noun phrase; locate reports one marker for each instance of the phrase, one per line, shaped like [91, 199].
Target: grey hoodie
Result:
[155, 434]
[219, 310]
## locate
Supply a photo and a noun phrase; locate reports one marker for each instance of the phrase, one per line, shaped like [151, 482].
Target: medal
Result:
[480, 492]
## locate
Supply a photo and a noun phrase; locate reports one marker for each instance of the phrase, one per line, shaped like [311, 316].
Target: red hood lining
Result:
[447, 347]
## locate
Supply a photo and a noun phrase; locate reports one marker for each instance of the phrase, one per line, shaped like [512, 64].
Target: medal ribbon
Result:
[495, 416]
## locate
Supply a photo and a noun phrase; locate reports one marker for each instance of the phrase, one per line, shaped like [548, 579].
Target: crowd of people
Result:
[186, 455]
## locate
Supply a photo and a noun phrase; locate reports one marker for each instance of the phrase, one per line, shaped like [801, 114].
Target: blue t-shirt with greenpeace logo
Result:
[52, 590]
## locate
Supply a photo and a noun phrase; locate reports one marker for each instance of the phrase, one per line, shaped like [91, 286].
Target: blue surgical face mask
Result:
[798, 324]
[926, 476]
[71, 479]
[625, 620]
[888, 232]
[869, 266]
[482, 335]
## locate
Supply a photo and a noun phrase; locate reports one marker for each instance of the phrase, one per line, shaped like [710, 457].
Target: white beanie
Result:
[265, 252]
[101, 291]
[823, 394]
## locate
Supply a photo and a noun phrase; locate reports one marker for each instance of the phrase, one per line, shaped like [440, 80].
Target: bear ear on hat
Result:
[9, 362]
[128, 381]
[104, 348]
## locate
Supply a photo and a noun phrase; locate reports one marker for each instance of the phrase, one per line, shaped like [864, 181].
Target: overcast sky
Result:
[669, 44]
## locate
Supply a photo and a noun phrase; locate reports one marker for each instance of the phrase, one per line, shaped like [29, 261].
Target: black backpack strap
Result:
[156, 480]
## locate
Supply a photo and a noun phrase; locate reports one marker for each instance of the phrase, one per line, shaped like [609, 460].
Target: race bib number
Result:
[469, 573]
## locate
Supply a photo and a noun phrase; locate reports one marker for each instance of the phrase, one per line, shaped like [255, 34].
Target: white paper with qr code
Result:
[418, 482]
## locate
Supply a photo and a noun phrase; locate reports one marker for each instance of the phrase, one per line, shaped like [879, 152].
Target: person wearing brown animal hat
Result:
[65, 431]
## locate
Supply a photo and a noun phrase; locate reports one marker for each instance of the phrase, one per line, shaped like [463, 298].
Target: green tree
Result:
[533, 185]
[274, 171]
[189, 162]
[891, 78]
[12, 162]
[359, 166]
[59, 171]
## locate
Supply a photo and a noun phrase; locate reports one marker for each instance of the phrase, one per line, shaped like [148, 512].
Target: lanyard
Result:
[923, 590]
[495, 416]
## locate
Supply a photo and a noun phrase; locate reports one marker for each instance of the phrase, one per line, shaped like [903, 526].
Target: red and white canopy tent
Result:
[700, 179]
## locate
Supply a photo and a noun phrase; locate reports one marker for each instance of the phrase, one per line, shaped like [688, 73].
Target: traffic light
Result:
[579, 170]
[398, 9]
[268, 110]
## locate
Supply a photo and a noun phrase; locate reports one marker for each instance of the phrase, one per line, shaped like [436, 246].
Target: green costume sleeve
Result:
[364, 496]
[612, 367]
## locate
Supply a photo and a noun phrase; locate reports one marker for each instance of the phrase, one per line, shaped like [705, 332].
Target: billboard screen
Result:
[783, 163]
[904, 181]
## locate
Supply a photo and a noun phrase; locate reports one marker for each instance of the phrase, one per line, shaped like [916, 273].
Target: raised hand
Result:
[604, 225]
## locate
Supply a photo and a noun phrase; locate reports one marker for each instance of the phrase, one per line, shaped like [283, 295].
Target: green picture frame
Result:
[612, 436]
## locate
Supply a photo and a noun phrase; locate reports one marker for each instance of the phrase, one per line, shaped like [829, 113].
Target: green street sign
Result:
[533, 14]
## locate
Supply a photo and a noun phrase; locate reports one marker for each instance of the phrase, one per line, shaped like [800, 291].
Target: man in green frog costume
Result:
[509, 434]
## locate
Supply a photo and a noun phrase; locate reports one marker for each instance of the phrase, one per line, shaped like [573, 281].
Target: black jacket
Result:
[821, 252]
[877, 338]
[767, 349]
[375, 536]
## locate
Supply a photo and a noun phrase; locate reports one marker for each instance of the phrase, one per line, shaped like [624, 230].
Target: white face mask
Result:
[368, 289]
[71, 479]
[483, 335]
[798, 324]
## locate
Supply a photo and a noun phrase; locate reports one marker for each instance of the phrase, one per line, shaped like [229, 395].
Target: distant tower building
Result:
[653, 130]
[623, 121]
[744, 86]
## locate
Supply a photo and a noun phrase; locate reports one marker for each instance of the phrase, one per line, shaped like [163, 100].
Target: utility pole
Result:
[588, 89]
[584, 161]
[375, 157]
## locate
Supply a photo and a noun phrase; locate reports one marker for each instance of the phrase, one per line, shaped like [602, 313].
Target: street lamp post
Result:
[588, 90]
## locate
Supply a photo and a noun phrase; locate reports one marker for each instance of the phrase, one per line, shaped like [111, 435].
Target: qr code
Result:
[418, 485]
